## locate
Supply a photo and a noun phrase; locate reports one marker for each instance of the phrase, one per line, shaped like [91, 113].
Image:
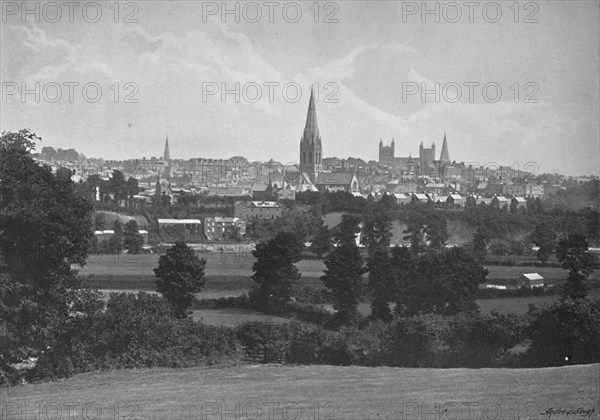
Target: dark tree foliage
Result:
[347, 230]
[132, 240]
[274, 270]
[414, 233]
[380, 284]
[180, 275]
[567, 332]
[343, 276]
[436, 232]
[545, 237]
[376, 231]
[44, 227]
[321, 242]
[444, 283]
[572, 252]
[115, 242]
[480, 242]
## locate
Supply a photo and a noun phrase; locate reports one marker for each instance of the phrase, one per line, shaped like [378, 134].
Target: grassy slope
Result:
[351, 392]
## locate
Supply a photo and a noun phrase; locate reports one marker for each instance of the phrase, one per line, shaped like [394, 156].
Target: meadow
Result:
[228, 275]
[311, 392]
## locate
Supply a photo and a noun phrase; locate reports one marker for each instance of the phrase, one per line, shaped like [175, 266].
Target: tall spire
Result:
[445, 156]
[167, 155]
[310, 144]
[311, 130]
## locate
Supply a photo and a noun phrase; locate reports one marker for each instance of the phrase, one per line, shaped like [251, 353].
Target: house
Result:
[530, 281]
[337, 181]
[520, 202]
[500, 202]
[215, 228]
[401, 198]
[172, 230]
[455, 201]
[248, 210]
[262, 191]
[421, 198]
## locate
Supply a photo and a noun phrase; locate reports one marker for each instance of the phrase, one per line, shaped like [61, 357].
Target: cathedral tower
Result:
[310, 143]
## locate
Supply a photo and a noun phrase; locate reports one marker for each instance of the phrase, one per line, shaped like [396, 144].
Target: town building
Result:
[220, 228]
[249, 210]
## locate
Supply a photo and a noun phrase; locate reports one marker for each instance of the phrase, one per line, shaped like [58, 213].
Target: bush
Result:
[565, 333]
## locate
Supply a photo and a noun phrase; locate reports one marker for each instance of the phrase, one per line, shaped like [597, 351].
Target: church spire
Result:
[167, 155]
[310, 144]
[445, 156]
[311, 130]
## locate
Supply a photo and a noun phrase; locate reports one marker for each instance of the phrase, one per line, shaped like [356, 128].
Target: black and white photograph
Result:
[300, 210]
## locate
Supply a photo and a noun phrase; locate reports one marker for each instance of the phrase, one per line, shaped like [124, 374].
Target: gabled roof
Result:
[335, 178]
[533, 276]
[456, 197]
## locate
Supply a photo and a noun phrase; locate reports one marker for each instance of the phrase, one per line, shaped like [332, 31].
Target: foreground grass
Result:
[338, 392]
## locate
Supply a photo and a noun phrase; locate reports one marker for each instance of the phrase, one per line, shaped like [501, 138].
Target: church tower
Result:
[445, 156]
[310, 143]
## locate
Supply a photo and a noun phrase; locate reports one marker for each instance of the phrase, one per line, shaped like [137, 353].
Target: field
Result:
[311, 392]
[228, 274]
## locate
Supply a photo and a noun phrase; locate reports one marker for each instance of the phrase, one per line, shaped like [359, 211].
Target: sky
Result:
[113, 80]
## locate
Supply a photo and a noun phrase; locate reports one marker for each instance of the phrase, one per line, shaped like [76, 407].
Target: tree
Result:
[231, 233]
[376, 231]
[572, 252]
[567, 332]
[274, 269]
[544, 236]
[115, 243]
[401, 267]
[44, 226]
[100, 221]
[480, 241]
[380, 284]
[321, 242]
[343, 275]
[436, 232]
[180, 275]
[414, 234]
[132, 240]
[444, 283]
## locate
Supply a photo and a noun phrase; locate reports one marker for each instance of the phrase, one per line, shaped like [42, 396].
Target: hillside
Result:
[339, 392]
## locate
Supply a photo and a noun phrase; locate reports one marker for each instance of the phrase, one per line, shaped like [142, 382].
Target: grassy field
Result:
[132, 268]
[228, 274]
[312, 392]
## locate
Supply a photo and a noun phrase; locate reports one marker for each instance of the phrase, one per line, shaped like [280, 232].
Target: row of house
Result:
[450, 200]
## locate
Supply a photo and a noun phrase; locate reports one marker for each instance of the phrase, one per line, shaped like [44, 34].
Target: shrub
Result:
[567, 332]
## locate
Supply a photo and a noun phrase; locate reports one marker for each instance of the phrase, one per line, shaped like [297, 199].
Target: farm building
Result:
[530, 281]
